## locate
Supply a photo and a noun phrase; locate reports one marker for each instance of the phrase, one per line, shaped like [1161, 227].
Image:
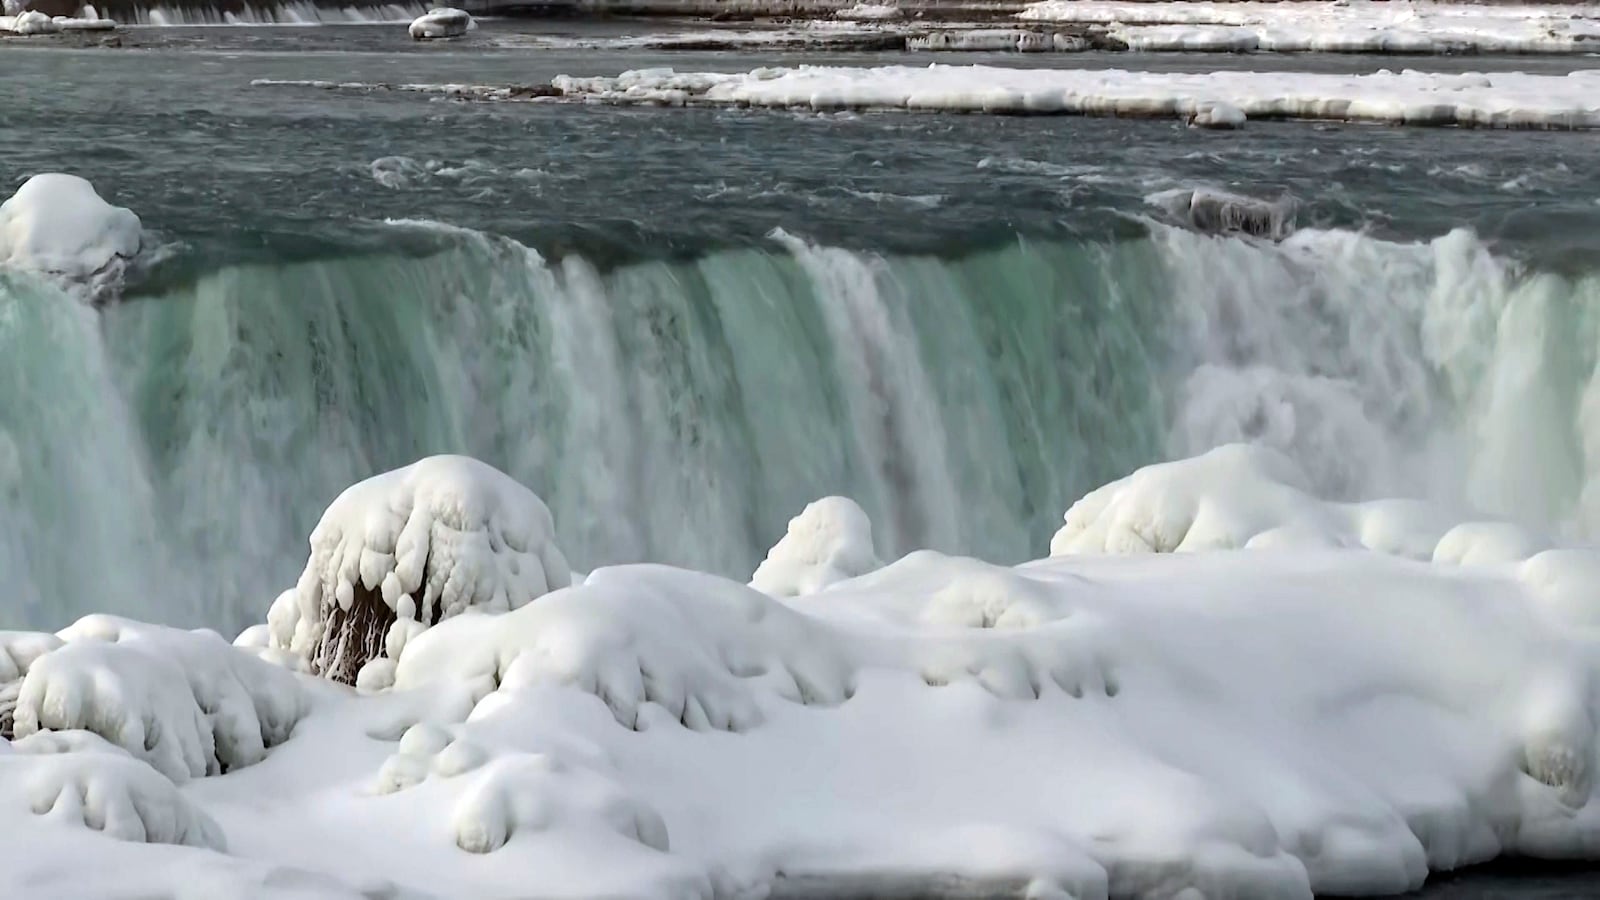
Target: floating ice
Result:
[443, 22]
[57, 225]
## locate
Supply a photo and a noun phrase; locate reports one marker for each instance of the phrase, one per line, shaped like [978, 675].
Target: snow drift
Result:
[1369, 692]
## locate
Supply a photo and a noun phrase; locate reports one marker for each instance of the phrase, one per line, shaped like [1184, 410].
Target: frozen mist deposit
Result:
[58, 226]
[1217, 685]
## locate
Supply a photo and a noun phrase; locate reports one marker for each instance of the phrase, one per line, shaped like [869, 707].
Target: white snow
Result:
[1502, 100]
[443, 22]
[57, 225]
[1350, 26]
[1225, 685]
[831, 540]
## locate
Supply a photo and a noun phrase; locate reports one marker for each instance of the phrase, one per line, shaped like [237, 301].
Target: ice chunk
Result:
[829, 541]
[869, 12]
[57, 225]
[1219, 115]
[442, 22]
[33, 22]
[422, 543]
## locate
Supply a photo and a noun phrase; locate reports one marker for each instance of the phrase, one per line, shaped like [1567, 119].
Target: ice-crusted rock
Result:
[57, 225]
[1220, 116]
[1221, 212]
[32, 22]
[870, 12]
[830, 541]
[406, 549]
[185, 702]
[88, 783]
[441, 22]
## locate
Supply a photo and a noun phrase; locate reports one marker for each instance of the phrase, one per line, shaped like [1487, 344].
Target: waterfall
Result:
[167, 457]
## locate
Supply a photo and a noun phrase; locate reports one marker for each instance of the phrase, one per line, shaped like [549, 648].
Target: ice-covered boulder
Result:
[442, 22]
[1222, 212]
[406, 549]
[32, 22]
[58, 225]
[829, 541]
[870, 12]
[185, 702]
[1220, 116]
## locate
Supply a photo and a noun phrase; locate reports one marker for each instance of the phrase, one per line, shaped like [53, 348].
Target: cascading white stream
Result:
[166, 458]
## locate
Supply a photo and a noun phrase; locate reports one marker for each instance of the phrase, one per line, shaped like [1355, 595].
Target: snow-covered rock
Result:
[829, 541]
[1224, 212]
[57, 225]
[184, 701]
[30, 22]
[442, 22]
[406, 549]
[1220, 116]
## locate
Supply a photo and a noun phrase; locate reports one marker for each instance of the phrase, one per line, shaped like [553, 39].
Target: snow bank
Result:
[443, 22]
[59, 226]
[830, 541]
[1501, 100]
[406, 549]
[1355, 26]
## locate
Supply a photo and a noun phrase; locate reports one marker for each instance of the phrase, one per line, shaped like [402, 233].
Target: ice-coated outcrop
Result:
[829, 541]
[57, 225]
[406, 549]
[442, 22]
[1212, 211]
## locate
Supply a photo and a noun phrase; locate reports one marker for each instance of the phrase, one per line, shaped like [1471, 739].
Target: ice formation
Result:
[831, 540]
[1503, 100]
[57, 225]
[406, 549]
[443, 22]
[1223, 212]
[1352, 26]
[1312, 696]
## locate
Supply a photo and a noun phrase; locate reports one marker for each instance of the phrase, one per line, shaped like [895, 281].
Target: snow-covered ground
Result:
[1347, 26]
[1364, 693]
[1415, 98]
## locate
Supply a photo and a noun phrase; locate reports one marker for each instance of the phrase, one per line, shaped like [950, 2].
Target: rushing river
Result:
[678, 326]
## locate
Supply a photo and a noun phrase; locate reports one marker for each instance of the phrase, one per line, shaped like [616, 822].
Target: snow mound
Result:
[442, 22]
[57, 225]
[406, 549]
[830, 541]
[1499, 100]
[185, 702]
[1249, 496]
[90, 784]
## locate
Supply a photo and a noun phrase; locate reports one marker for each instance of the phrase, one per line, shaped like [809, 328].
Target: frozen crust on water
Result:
[830, 541]
[443, 22]
[1353, 26]
[1508, 100]
[406, 549]
[58, 225]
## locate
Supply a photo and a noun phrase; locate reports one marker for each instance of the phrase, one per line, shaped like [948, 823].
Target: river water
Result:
[679, 326]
